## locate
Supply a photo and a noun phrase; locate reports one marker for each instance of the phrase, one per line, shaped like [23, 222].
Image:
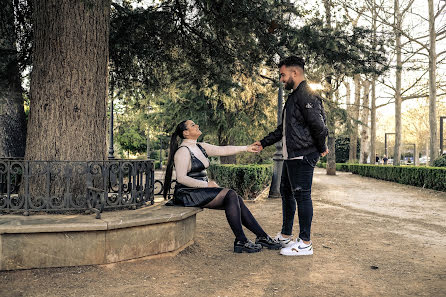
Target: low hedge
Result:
[339, 166]
[247, 180]
[426, 177]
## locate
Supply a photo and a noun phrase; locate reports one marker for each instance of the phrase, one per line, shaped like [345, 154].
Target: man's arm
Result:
[272, 137]
[314, 115]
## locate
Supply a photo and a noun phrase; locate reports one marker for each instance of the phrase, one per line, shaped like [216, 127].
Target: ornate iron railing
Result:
[64, 186]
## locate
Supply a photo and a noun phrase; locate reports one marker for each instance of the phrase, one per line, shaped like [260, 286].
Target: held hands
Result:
[256, 147]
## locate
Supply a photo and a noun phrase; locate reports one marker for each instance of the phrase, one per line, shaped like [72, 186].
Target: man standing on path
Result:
[303, 132]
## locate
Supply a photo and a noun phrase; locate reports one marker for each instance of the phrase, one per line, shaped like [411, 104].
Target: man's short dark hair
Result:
[293, 61]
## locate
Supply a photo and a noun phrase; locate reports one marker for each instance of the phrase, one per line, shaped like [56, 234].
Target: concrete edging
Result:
[70, 240]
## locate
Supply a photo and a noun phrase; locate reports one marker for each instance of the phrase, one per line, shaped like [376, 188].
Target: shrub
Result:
[339, 166]
[247, 180]
[342, 167]
[321, 164]
[157, 164]
[426, 177]
[440, 161]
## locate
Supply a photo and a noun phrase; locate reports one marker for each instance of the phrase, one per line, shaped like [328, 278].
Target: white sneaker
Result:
[298, 249]
[284, 241]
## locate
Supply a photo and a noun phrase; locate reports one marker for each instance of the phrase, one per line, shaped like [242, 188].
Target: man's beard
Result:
[289, 85]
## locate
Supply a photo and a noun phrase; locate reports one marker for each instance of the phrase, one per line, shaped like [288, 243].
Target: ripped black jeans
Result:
[295, 188]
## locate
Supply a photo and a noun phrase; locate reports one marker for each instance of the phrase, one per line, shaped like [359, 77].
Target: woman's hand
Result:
[254, 148]
[212, 184]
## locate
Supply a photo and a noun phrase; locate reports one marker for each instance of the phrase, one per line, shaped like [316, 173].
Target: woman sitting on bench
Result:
[194, 189]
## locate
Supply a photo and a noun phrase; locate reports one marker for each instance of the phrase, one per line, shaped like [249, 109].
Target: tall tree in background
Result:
[347, 52]
[355, 108]
[373, 5]
[364, 150]
[424, 45]
[398, 22]
[433, 144]
[355, 116]
[69, 80]
[12, 114]
[331, 122]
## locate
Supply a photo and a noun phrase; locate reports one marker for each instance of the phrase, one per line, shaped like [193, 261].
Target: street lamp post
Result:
[111, 151]
[385, 143]
[415, 157]
[274, 191]
[148, 146]
[161, 154]
[442, 135]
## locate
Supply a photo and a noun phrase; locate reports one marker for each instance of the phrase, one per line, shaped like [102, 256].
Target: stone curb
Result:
[72, 240]
[80, 222]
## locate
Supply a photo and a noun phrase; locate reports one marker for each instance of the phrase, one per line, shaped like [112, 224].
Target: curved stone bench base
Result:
[60, 240]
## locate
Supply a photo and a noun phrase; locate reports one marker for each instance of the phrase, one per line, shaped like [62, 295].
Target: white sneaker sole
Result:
[294, 251]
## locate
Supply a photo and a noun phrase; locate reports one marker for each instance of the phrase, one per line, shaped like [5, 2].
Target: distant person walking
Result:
[385, 160]
[377, 159]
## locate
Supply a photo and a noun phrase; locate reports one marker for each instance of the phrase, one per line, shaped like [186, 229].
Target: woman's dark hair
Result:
[173, 147]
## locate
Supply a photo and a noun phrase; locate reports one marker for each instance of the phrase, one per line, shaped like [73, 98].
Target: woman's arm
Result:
[215, 150]
[182, 161]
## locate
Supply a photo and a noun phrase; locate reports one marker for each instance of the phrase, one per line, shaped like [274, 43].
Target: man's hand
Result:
[259, 146]
[325, 153]
[253, 148]
[212, 184]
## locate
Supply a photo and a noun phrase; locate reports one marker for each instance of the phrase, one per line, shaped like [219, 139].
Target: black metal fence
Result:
[63, 186]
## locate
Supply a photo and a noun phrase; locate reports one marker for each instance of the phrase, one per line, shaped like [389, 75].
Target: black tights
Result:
[236, 213]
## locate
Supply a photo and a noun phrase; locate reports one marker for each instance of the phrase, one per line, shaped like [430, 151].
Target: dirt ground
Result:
[370, 237]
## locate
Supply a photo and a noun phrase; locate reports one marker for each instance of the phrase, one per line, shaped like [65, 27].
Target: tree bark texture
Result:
[331, 121]
[373, 94]
[398, 101]
[331, 125]
[434, 148]
[355, 118]
[373, 123]
[69, 80]
[364, 150]
[331, 141]
[12, 114]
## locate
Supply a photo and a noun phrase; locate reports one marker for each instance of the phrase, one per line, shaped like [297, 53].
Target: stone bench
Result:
[41, 241]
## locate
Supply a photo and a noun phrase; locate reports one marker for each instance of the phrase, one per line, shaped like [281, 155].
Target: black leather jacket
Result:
[305, 126]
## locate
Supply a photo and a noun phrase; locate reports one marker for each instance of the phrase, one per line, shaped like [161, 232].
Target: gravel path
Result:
[371, 238]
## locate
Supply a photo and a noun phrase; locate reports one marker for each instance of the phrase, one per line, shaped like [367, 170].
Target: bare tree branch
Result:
[440, 10]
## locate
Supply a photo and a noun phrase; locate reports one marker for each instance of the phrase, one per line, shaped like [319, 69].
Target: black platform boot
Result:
[246, 246]
[268, 242]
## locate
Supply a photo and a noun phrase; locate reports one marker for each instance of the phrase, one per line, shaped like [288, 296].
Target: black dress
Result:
[198, 197]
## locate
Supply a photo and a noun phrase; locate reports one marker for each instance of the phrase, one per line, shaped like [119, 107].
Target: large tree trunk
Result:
[373, 97]
[348, 103]
[331, 144]
[12, 114]
[355, 117]
[398, 101]
[373, 123]
[69, 80]
[433, 152]
[331, 122]
[364, 150]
